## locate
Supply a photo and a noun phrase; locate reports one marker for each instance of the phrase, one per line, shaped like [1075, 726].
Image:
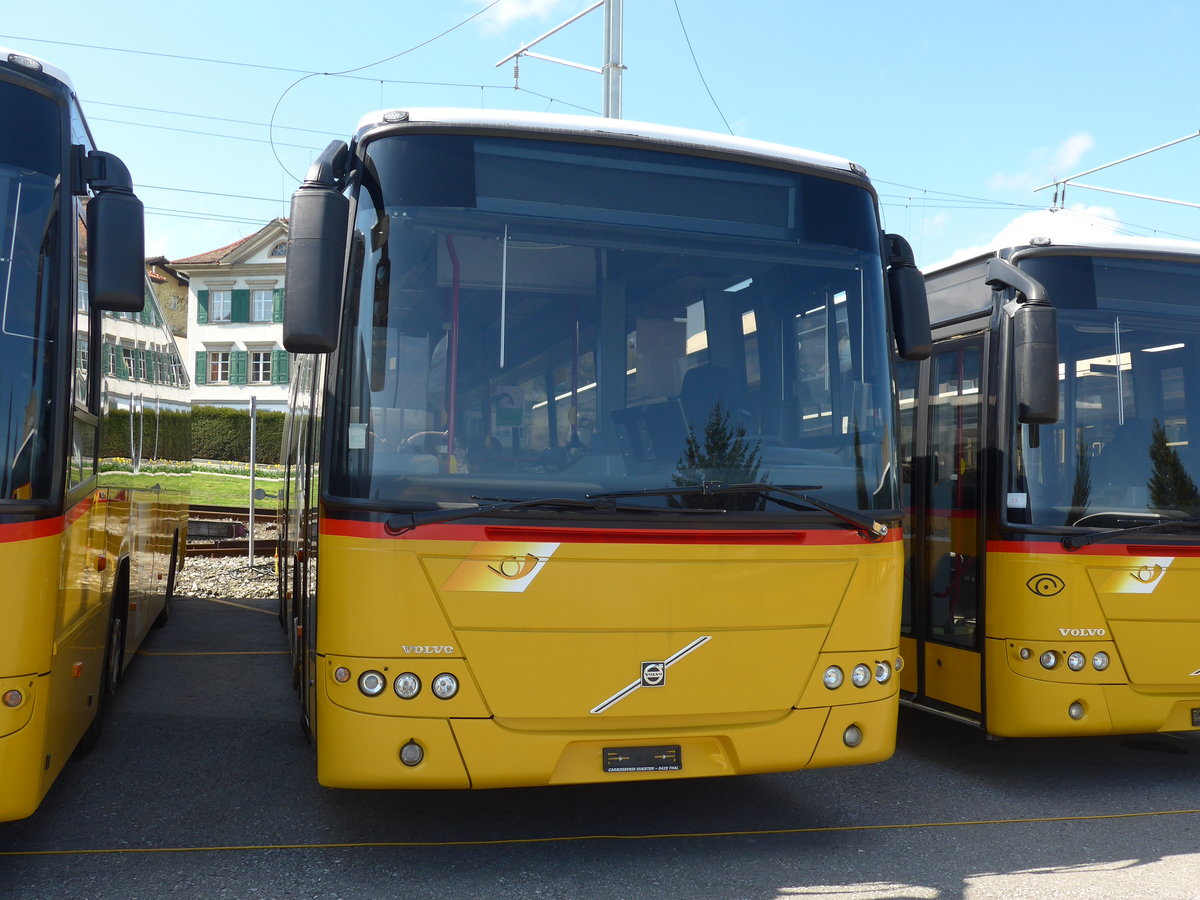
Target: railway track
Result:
[216, 531]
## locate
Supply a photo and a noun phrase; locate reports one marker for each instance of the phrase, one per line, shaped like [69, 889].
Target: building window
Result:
[218, 366]
[130, 364]
[262, 304]
[279, 249]
[260, 366]
[220, 306]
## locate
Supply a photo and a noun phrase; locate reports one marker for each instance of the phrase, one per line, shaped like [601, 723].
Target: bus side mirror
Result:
[316, 258]
[116, 265]
[1035, 363]
[1035, 343]
[910, 307]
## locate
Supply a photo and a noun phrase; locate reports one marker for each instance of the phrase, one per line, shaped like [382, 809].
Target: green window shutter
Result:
[122, 366]
[201, 307]
[201, 367]
[106, 360]
[277, 306]
[237, 367]
[240, 306]
[279, 367]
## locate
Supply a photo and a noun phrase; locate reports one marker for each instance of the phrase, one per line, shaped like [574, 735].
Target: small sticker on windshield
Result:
[356, 438]
[1018, 501]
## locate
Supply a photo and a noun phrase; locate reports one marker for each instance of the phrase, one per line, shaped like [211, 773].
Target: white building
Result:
[235, 316]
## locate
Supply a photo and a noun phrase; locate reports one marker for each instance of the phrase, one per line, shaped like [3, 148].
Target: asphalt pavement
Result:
[203, 785]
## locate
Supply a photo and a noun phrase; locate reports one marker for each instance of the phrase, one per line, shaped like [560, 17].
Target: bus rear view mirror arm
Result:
[316, 256]
[1034, 341]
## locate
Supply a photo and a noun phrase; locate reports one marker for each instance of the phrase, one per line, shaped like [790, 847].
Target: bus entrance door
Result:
[944, 541]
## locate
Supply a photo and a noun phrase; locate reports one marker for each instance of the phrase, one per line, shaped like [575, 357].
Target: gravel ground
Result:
[227, 577]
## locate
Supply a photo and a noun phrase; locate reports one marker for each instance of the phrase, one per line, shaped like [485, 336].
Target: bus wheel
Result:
[165, 613]
[114, 650]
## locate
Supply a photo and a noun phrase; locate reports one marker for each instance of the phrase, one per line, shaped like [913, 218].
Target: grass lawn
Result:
[206, 488]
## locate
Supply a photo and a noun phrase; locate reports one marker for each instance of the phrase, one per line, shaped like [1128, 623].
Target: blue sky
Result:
[957, 112]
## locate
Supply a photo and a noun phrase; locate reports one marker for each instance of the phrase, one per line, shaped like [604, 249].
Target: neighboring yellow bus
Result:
[1051, 474]
[592, 471]
[93, 399]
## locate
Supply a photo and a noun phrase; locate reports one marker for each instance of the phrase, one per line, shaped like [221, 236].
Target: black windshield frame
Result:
[34, 362]
[787, 239]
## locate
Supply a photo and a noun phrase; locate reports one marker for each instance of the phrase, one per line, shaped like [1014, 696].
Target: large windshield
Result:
[1123, 451]
[30, 168]
[541, 319]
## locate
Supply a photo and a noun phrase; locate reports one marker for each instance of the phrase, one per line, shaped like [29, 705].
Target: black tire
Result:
[114, 652]
[164, 614]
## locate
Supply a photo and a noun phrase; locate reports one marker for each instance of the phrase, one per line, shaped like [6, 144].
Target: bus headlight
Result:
[1049, 659]
[1076, 661]
[445, 686]
[860, 676]
[407, 685]
[371, 682]
[833, 678]
[883, 672]
[12, 699]
[1100, 661]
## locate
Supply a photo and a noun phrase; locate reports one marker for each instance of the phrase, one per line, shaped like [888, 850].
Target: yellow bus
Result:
[591, 454]
[1051, 477]
[93, 402]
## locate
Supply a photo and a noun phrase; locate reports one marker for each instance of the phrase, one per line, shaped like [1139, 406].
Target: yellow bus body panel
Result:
[548, 642]
[1143, 611]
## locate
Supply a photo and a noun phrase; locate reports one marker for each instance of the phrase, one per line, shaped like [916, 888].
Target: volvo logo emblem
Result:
[1045, 584]
[654, 674]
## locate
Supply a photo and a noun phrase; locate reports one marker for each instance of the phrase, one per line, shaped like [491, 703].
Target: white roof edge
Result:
[47, 68]
[598, 127]
[1118, 245]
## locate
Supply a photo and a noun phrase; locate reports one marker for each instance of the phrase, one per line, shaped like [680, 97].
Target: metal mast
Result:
[613, 65]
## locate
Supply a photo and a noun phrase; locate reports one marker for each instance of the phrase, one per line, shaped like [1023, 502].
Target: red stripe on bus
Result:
[28, 531]
[456, 532]
[78, 511]
[1056, 547]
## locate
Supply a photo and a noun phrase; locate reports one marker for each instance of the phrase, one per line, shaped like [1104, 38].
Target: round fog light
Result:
[412, 753]
[852, 736]
[371, 682]
[860, 676]
[407, 685]
[12, 699]
[1075, 710]
[1100, 661]
[1049, 659]
[833, 677]
[883, 672]
[1076, 661]
[341, 674]
[445, 686]
[1026, 653]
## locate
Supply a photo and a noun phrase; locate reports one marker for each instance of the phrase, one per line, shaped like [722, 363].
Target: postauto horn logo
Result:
[1045, 584]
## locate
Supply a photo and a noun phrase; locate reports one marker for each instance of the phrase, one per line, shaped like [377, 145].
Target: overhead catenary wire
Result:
[699, 72]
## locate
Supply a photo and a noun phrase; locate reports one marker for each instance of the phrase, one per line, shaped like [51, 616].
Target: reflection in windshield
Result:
[28, 236]
[506, 344]
[1122, 447]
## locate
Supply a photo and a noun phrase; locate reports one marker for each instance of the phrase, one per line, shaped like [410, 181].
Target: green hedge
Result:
[174, 437]
[220, 433]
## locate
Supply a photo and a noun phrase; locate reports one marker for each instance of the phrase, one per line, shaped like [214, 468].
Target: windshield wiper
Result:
[873, 530]
[398, 523]
[1075, 541]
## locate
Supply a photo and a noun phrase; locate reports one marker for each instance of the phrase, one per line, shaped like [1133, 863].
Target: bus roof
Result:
[1116, 246]
[601, 128]
[9, 57]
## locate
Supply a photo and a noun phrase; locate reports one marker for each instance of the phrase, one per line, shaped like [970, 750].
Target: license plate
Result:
[643, 759]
